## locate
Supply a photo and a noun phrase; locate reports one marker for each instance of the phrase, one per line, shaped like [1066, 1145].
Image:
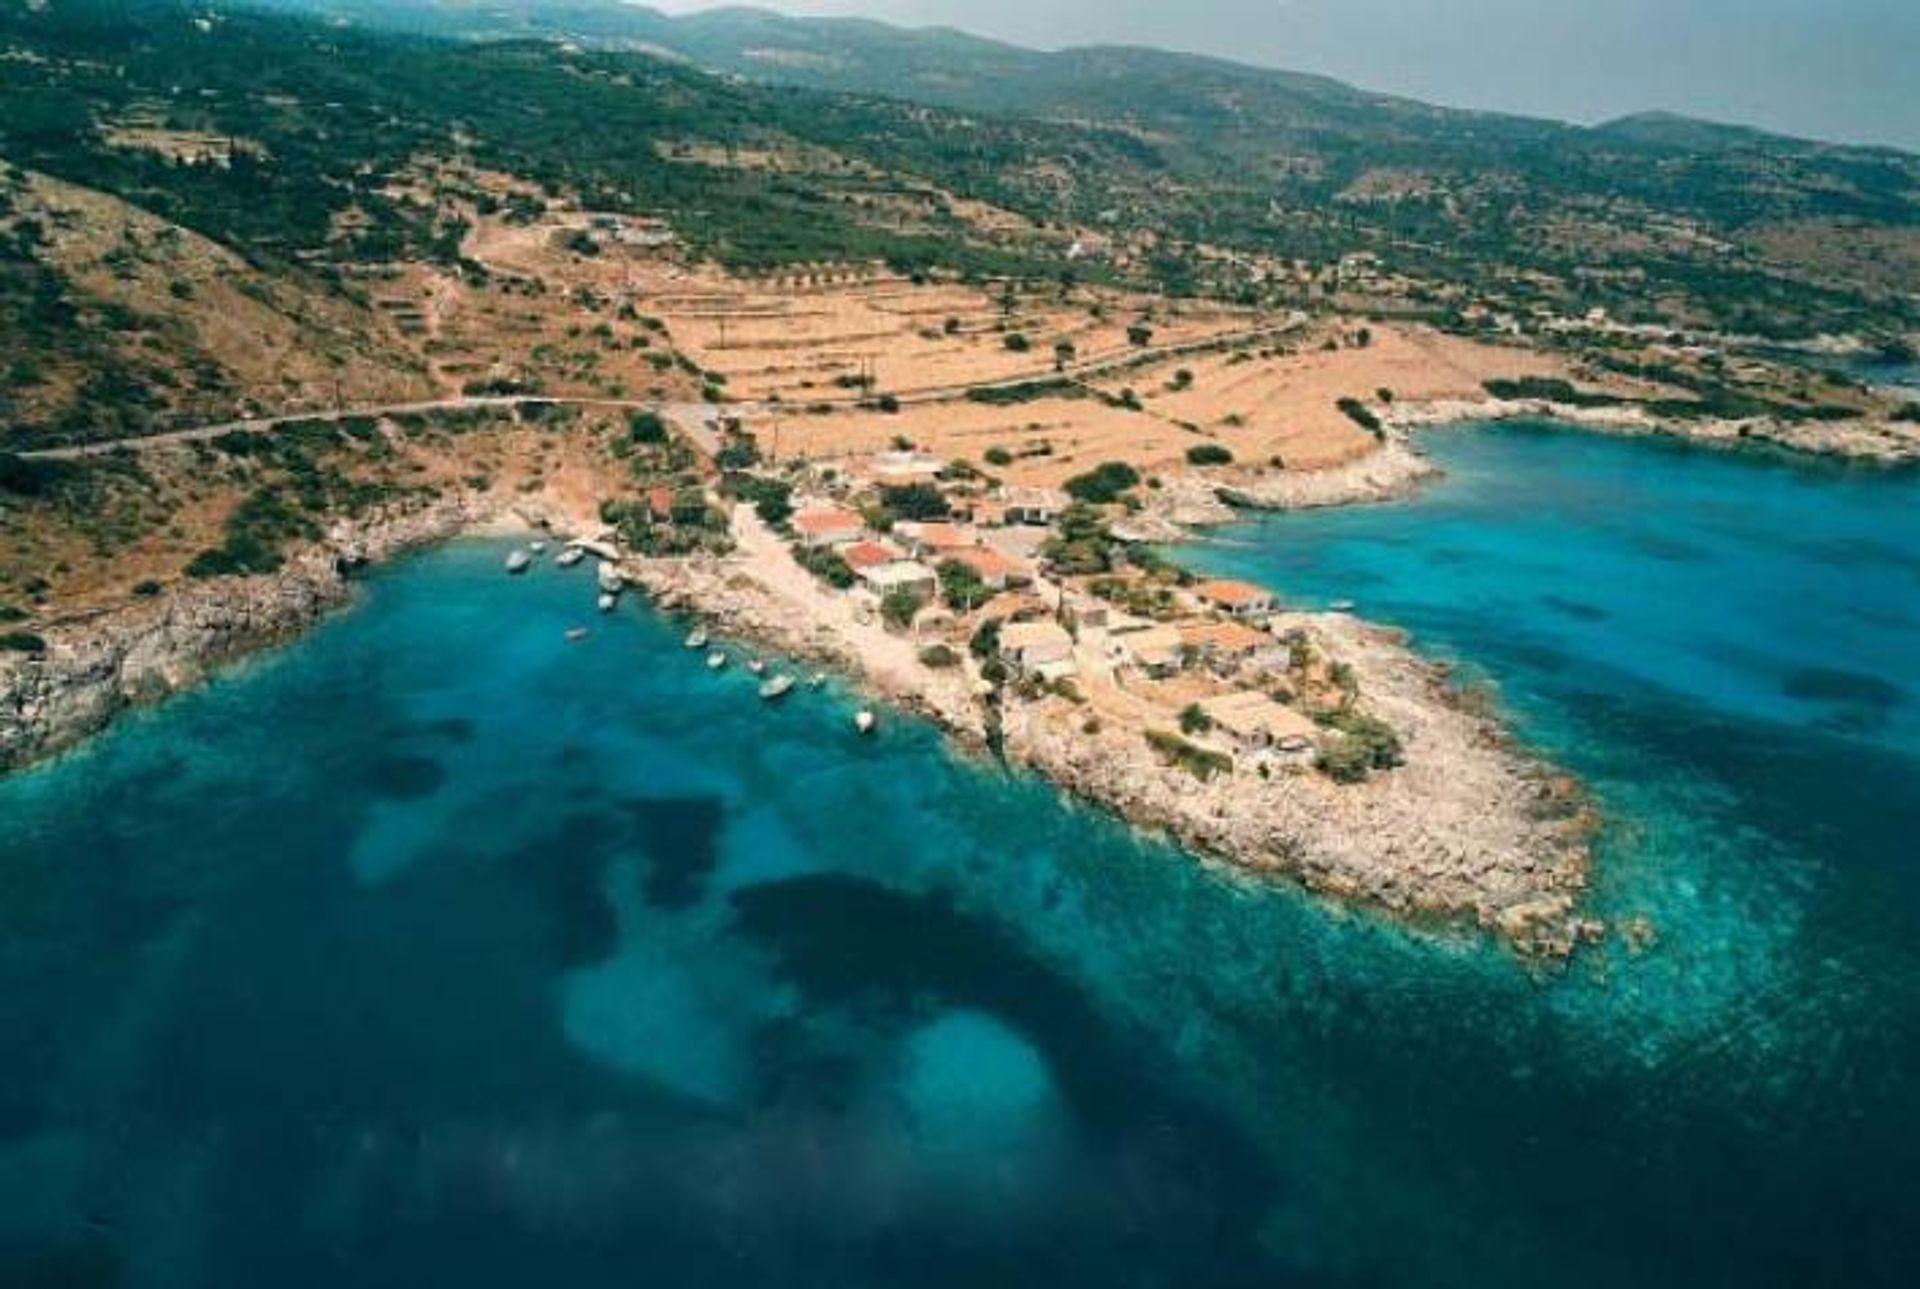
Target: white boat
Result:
[817, 681]
[611, 580]
[607, 603]
[1341, 606]
[569, 557]
[519, 562]
[578, 634]
[538, 548]
[716, 661]
[698, 640]
[778, 687]
[865, 722]
[756, 666]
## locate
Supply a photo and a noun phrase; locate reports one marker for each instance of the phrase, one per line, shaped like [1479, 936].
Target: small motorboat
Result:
[717, 661]
[578, 634]
[607, 603]
[1341, 606]
[756, 666]
[778, 687]
[538, 548]
[866, 722]
[519, 562]
[698, 640]
[817, 681]
[569, 557]
[610, 578]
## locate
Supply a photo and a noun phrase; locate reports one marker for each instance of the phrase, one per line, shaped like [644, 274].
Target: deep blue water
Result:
[435, 950]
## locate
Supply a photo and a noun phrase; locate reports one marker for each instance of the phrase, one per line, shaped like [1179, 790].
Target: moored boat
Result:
[865, 722]
[577, 634]
[607, 603]
[756, 666]
[569, 557]
[698, 639]
[716, 661]
[778, 687]
[519, 562]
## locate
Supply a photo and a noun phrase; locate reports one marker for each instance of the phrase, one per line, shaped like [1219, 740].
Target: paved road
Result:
[699, 421]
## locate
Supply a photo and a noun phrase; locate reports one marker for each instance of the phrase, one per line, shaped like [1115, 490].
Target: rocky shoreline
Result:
[96, 668]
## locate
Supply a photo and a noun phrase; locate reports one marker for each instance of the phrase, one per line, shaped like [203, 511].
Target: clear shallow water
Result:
[435, 950]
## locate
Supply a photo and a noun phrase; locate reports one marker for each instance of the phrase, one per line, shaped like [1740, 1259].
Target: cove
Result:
[435, 949]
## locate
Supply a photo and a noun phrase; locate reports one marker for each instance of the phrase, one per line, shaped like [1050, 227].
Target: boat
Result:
[716, 661]
[778, 687]
[569, 557]
[607, 603]
[865, 722]
[577, 634]
[538, 548]
[698, 640]
[519, 562]
[611, 579]
[756, 666]
[1341, 606]
[817, 681]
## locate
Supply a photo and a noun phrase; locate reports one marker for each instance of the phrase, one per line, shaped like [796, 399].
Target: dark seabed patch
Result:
[567, 870]
[1575, 609]
[680, 837]
[1858, 702]
[404, 777]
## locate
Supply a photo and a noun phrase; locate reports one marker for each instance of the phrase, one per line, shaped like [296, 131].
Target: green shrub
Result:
[1193, 720]
[998, 457]
[1103, 484]
[939, 657]
[1209, 454]
[148, 589]
[22, 642]
[1360, 414]
[1017, 342]
[1202, 763]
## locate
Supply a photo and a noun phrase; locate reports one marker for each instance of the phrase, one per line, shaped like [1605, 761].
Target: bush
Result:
[1193, 720]
[1360, 745]
[939, 657]
[1209, 454]
[1360, 414]
[1017, 342]
[22, 642]
[998, 456]
[986, 640]
[899, 607]
[1910, 413]
[148, 589]
[920, 501]
[1140, 335]
[961, 587]
[24, 477]
[1103, 484]
[1202, 763]
[828, 565]
[647, 427]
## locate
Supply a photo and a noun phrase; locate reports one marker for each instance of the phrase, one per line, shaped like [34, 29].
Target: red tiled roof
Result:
[1234, 594]
[869, 555]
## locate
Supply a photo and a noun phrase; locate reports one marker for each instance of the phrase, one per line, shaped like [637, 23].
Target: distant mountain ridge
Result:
[953, 68]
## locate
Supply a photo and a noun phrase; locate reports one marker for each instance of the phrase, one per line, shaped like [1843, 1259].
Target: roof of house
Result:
[989, 563]
[1251, 713]
[939, 536]
[1018, 637]
[1224, 637]
[902, 572]
[1233, 594]
[1037, 499]
[827, 520]
[870, 554]
[1154, 646]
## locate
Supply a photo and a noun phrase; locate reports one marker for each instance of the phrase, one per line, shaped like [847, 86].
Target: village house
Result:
[1038, 648]
[1253, 722]
[1228, 646]
[896, 469]
[1035, 507]
[916, 580]
[935, 541]
[997, 572]
[1153, 651]
[827, 526]
[870, 554]
[1083, 612]
[1241, 600]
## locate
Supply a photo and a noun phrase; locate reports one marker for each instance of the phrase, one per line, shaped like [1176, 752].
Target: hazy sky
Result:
[1841, 69]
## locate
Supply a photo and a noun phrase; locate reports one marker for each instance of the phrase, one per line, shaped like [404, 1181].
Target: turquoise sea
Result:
[435, 950]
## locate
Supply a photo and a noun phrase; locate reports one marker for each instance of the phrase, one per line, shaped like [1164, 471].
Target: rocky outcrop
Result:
[95, 668]
[1469, 827]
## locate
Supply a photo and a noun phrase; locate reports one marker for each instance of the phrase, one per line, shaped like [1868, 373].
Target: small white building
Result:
[902, 575]
[1253, 722]
[1035, 507]
[1039, 648]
